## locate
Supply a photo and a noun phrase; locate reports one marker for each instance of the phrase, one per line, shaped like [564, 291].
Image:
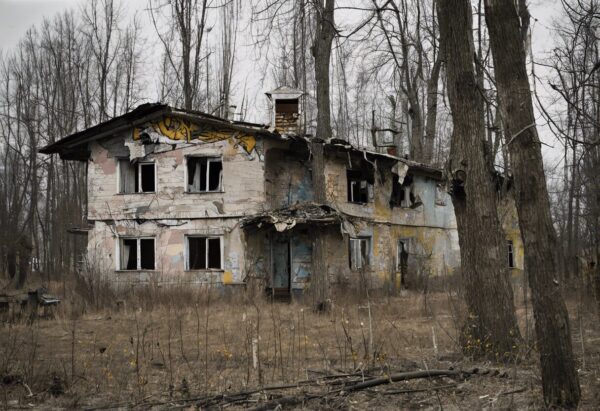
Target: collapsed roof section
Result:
[75, 146]
[286, 218]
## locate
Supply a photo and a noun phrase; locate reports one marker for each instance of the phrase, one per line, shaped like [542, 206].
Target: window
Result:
[360, 250]
[511, 256]
[205, 174]
[286, 106]
[402, 258]
[203, 253]
[359, 188]
[136, 254]
[402, 194]
[139, 177]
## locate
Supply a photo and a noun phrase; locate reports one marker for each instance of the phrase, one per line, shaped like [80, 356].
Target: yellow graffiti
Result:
[182, 130]
[227, 277]
[175, 128]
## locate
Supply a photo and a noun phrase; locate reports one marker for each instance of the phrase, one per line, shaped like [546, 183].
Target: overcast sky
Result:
[16, 16]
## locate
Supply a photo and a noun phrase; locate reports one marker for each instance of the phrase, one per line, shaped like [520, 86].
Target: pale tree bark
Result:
[491, 328]
[559, 376]
[325, 33]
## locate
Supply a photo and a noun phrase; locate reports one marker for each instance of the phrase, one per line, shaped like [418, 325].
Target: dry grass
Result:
[192, 343]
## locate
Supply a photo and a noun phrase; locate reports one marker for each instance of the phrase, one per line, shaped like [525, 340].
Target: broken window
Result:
[360, 249]
[205, 174]
[511, 255]
[360, 190]
[138, 177]
[403, 194]
[402, 260]
[136, 254]
[203, 253]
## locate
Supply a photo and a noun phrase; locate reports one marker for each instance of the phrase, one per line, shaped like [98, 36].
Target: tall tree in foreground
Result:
[325, 32]
[491, 328]
[559, 376]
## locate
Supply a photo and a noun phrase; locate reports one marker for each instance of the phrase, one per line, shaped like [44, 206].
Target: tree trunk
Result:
[325, 32]
[491, 327]
[559, 376]
[432, 102]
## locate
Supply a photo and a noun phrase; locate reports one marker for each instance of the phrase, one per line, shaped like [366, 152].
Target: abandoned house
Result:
[182, 196]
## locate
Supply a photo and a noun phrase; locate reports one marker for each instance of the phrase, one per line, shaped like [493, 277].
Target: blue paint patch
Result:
[303, 189]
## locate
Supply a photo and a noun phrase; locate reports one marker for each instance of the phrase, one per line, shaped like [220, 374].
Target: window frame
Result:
[207, 237]
[138, 262]
[359, 239]
[138, 172]
[511, 254]
[351, 182]
[209, 159]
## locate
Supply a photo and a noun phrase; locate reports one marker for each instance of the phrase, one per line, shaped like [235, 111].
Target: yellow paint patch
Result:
[179, 129]
[227, 277]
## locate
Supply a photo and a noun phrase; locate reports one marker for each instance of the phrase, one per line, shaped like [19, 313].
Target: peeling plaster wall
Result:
[507, 211]
[171, 213]
[429, 228]
[287, 178]
[243, 184]
[170, 250]
[274, 174]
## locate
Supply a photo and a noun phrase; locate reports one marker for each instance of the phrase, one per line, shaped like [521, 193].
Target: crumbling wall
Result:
[243, 183]
[429, 227]
[287, 177]
[170, 238]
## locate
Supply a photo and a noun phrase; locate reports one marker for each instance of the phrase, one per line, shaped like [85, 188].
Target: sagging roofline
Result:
[74, 146]
[71, 146]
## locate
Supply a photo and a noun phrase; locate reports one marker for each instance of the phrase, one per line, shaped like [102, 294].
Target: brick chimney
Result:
[286, 107]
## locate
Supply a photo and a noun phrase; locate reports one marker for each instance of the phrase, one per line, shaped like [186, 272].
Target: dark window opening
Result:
[136, 177]
[511, 256]
[402, 194]
[197, 253]
[147, 254]
[286, 106]
[137, 254]
[204, 174]
[360, 250]
[204, 253]
[402, 260]
[359, 187]
[147, 178]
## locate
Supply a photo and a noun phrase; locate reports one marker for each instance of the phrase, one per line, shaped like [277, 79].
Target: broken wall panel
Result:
[287, 177]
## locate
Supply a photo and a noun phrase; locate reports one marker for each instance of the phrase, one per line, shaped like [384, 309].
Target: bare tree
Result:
[491, 327]
[321, 50]
[184, 57]
[559, 375]
[403, 24]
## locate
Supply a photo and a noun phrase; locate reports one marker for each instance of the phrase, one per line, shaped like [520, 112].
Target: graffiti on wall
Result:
[178, 129]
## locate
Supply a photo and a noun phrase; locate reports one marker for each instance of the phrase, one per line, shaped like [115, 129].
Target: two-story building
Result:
[182, 196]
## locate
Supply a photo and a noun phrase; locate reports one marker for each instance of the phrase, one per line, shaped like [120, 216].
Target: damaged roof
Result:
[75, 146]
[287, 218]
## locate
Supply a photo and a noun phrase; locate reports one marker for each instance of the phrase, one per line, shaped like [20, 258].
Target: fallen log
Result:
[403, 376]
